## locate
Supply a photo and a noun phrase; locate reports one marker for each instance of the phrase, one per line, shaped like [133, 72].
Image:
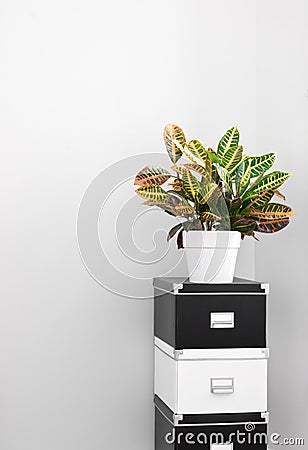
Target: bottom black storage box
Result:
[209, 431]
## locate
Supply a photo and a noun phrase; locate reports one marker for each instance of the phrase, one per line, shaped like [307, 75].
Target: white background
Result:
[282, 126]
[82, 85]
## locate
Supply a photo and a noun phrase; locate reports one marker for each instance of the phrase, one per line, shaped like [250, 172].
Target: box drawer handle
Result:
[222, 385]
[222, 320]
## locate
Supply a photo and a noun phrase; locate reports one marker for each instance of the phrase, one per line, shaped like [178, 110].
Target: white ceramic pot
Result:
[211, 255]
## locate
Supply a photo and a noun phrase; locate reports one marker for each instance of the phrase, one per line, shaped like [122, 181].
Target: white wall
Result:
[83, 84]
[282, 118]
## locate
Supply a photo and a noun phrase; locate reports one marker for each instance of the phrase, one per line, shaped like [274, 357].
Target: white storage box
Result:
[210, 381]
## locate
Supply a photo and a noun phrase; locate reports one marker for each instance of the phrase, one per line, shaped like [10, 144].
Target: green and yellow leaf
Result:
[197, 168]
[153, 193]
[232, 158]
[229, 140]
[174, 133]
[210, 168]
[185, 152]
[177, 185]
[271, 211]
[207, 215]
[255, 182]
[242, 178]
[179, 190]
[179, 168]
[272, 181]
[151, 175]
[184, 210]
[175, 205]
[258, 200]
[190, 183]
[197, 149]
[260, 164]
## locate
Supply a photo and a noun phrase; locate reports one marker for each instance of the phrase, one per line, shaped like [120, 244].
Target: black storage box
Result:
[194, 316]
[209, 432]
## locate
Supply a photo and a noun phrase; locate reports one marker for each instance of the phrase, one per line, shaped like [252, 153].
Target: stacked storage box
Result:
[210, 365]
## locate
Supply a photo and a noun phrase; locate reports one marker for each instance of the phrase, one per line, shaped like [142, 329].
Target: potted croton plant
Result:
[219, 197]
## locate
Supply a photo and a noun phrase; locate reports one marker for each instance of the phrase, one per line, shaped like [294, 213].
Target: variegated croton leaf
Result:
[155, 194]
[260, 164]
[271, 211]
[174, 204]
[270, 182]
[174, 135]
[180, 168]
[230, 140]
[177, 185]
[190, 183]
[197, 149]
[232, 158]
[210, 162]
[152, 175]
[258, 200]
[242, 178]
[271, 226]
[208, 215]
[271, 217]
